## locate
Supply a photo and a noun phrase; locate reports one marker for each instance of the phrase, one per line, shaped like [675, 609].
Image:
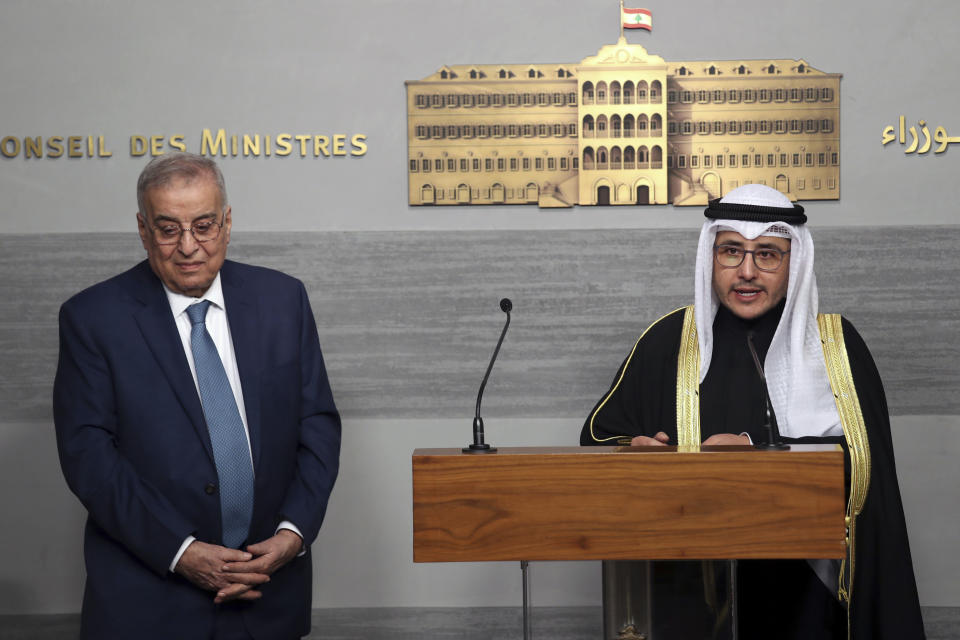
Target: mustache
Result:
[748, 285]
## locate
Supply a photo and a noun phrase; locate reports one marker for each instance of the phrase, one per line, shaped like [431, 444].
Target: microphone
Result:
[479, 446]
[773, 433]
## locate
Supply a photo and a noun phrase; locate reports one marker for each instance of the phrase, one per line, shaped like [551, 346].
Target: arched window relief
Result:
[602, 126]
[642, 124]
[616, 158]
[587, 93]
[602, 156]
[533, 192]
[601, 92]
[629, 158]
[643, 158]
[656, 158]
[615, 92]
[588, 159]
[628, 126]
[642, 92]
[588, 131]
[656, 125]
[628, 92]
[656, 92]
[615, 126]
[426, 194]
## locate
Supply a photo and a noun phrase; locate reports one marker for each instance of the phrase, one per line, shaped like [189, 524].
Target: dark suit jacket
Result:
[134, 448]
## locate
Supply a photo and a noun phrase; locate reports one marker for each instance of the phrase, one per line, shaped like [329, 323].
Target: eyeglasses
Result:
[168, 233]
[765, 259]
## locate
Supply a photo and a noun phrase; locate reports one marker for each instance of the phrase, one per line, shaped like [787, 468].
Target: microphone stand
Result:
[773, 433]
[479, 446]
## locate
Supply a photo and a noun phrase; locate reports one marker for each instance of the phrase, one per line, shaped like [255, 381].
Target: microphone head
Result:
[505, 305]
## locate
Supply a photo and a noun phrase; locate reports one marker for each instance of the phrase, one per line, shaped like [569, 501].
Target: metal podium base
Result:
[626, 600]
[527, 622]
[669, 600]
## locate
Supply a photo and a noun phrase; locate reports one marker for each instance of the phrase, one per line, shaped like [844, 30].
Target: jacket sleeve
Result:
[614, 416]
[642, 397]
[318, 450]
[118, 500]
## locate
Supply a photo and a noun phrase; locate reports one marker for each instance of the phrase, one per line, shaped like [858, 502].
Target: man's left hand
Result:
[723, 438]
[269, 555]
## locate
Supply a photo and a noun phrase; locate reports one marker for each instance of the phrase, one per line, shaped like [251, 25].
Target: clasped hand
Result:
[662, 439]
[235, 574]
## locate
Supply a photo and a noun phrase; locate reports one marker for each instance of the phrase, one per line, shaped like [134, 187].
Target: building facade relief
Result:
[623, 127]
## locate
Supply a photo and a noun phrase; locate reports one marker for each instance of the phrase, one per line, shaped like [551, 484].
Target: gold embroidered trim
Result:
[620, 379]
[855, 432]
[688, 385]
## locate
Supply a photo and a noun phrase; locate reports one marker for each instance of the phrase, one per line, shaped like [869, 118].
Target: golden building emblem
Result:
[622, 127]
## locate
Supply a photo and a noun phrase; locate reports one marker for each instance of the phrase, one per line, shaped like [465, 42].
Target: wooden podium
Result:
[628, 503]
[632, 503]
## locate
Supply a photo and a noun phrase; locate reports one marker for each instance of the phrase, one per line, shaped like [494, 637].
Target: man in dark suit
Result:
[196, 424]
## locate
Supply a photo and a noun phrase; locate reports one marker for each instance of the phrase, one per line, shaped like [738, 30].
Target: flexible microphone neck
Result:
[479, 446]
[496, 351]
[773, 433]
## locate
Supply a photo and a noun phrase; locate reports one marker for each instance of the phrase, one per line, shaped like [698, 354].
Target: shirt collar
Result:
[179, 302]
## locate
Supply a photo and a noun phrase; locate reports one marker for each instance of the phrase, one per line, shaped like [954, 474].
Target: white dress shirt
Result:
[219, 329]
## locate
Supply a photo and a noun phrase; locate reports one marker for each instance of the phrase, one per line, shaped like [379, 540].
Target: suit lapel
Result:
[243, 315]
[160, 333]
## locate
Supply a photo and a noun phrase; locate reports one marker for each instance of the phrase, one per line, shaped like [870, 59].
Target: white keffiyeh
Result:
[795, 368]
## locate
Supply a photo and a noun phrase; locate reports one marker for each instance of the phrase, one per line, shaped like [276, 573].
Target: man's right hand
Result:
[659, 440]
[202, 564]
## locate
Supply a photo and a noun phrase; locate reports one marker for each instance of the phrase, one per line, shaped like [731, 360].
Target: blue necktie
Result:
[231, 451]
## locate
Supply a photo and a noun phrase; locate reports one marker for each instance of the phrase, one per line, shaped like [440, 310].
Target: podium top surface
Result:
[606, 450]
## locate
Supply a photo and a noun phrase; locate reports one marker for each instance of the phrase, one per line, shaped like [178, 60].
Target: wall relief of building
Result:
[622, 127]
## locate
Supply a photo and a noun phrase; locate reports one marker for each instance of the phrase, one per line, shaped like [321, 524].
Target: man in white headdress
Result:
[697, 376]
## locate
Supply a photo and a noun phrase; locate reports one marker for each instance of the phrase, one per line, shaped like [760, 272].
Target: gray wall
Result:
[406, 298]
